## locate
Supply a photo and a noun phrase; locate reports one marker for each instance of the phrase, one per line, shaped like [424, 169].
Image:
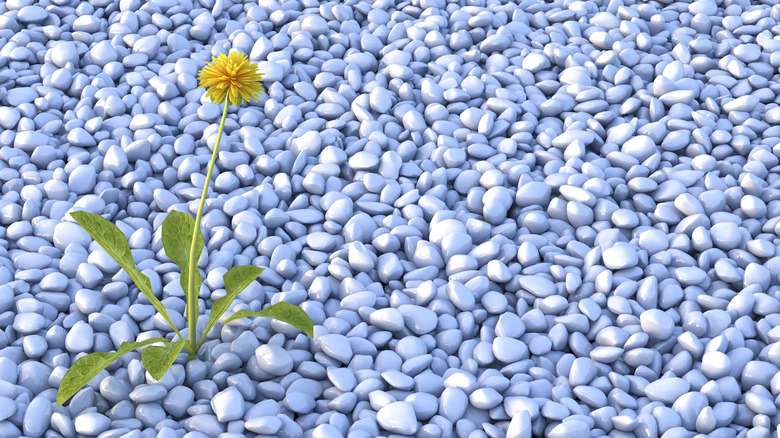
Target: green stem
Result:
[192, 296]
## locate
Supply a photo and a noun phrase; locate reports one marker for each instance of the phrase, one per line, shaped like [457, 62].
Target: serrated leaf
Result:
[176, 238]
[157, 360]
[285, 312]
[236, 280]
[113, 241]
[89, 366]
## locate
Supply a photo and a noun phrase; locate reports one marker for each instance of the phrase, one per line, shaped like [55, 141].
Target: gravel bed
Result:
[506, 219]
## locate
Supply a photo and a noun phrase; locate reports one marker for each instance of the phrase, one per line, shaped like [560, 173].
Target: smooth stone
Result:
[299, 402]
[570, 429]
[640, 147]
[657, 323]
[86, 23]
[148, 393]
[9, 117]
[29, 140]
[485, 398]
[228, 405]
[460, 295]
[79, 338]
[509, 350]
[114, 389]
[20, 95]
[32, 14]
[82, 180]
[420, 320]
[265, 425]
[336, 346]
[178, 400]
[667, 390]
[583, 371]
[726, 235]
[342, 378]
[274, 360]
[538, 286]
[715, 365]
[389, 319]
[7, 408]
[91, 423]
[205, 424]
[398, 417]
[620, 257]
[757, 373]
[688, 406]
[37, 416]
[28, 323]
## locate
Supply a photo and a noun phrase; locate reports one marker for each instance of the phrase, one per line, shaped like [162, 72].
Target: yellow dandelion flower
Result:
[231, 76]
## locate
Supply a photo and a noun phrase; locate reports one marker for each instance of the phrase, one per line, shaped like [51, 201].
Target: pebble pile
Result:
[506, 218]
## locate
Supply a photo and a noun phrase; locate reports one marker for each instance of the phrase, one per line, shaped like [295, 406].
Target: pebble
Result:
[726, 235]
[715, 364]
[620, 257]
[266, 425]
[274, 360]
[667, 390]
[7, 408]
[756, 373]
[508, 349]
[28, 323]
[342, 378]
[688, 406]
[539, 286]
[114, 389]
[299, 402]
[228, 405]
[79, 338]
[570, 429]
[418, 319]
[91, 423]
[148, 393]
[388, 319]
[206, 424]
[32, 14]
[398, 417]
[28, 140]
[583, 371]
[657, 324]
[37, 416]
[460, 295]
[178, 400]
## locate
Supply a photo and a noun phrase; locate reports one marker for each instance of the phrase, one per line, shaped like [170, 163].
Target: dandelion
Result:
[231, 80]
[233, 77]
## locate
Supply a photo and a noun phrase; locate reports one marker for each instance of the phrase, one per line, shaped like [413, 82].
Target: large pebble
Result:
[398, 417]
[37, 416]
[274, 360]
[91, 423]
[228, 405]
[667, 390]
[336, 346]
[657, 323]
[570, 429]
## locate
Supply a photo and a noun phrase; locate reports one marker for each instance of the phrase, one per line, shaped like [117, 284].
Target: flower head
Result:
[231, 76]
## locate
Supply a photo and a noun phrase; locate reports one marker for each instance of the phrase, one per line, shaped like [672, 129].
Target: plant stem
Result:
[192, 293]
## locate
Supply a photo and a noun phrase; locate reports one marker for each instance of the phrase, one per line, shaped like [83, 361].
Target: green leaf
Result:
[177, 238]
[285, 312]
[157, 360]
[89, 366]
[112, 240]
[236, 280]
